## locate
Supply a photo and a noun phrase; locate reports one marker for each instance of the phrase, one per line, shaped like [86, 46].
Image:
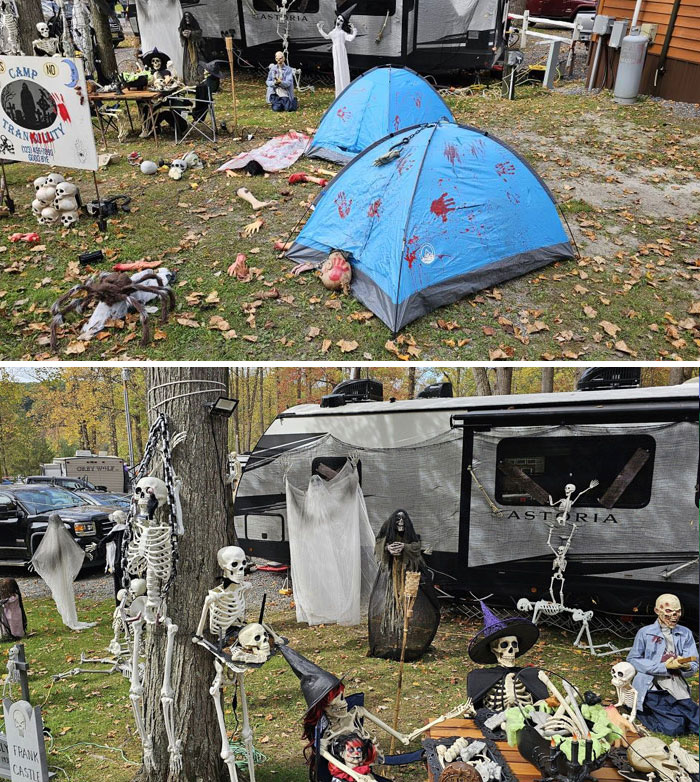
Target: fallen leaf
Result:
[217, 322]
[326, 344]
[622, 347]
[501, 355]
[609, 328]
[347, 346]
[159, 334]
[589, 312]
[250, 337]
[188, 322]
[536, 327]
[75, 347]
[333, 304]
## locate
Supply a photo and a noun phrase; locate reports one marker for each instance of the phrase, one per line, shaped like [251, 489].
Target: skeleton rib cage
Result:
[227, 608]
[503, 695]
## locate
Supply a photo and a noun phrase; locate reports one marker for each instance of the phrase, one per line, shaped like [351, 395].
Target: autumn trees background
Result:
[52, 412]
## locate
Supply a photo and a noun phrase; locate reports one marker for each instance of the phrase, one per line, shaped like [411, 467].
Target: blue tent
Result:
[379, 102]
[431, 214]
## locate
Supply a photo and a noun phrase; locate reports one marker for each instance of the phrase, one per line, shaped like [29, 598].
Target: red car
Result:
[560, 9]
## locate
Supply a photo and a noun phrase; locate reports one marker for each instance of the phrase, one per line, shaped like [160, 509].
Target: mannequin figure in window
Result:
[397, 550]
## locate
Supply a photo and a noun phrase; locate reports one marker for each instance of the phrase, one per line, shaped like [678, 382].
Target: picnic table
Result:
[521, 768]
[147, 98]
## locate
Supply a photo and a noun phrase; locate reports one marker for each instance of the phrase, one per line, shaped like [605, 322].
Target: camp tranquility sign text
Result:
[45, 112]
[23, 752]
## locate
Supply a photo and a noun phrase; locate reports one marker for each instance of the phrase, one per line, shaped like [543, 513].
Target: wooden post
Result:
[410, 593]
[229, 51]
[23, 668]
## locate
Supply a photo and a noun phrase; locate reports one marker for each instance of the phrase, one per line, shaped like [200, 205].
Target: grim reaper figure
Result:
[398, 550]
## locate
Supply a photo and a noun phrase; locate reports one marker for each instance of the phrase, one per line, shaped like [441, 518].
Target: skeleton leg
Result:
[136, 696]
[215, 691]
[247, 732]
[167, 697]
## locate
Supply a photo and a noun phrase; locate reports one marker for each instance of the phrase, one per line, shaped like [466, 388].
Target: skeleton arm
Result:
[338, 764]
[373, 718]
[591, 485]
[199, 632]
[467, 707]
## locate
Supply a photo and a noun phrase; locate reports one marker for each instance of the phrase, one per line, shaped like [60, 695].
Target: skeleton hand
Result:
[252, 228]
[593, 483]
[196, 639]
[90, 549]
[395, 549]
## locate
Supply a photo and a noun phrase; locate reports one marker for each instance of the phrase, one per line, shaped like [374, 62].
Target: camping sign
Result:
[45, 112]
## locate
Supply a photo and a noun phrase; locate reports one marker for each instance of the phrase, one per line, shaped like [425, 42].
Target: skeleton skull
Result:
[156, 63]
[37, 206]
[43, 29]
[153, 486]
[46, 194]
[569, 489]
[254, 638]
[622, 673]
[64, 189]
[232, 560]
[505, 650]
[19, 719]
[67, 204]
[668, 609]
[48, 215]
[650, 755]
[54, 179]
[39, 182]
[69, 218]
[193, 160]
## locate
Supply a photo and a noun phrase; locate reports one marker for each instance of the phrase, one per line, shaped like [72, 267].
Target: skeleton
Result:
[224, 608]
[622, 675]
[651, 756]
[45, 45]
[9, 30]
[566, 503]
[151, 551]
[509, 691]
[82, 33]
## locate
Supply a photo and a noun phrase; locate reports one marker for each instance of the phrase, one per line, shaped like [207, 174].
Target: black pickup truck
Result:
[24, 515]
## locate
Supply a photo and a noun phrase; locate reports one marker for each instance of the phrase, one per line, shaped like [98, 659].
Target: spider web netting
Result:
[331, 549]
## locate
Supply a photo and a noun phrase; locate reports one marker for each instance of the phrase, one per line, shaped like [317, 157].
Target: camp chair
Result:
[320, 771]
[110, 116]
[194, 105]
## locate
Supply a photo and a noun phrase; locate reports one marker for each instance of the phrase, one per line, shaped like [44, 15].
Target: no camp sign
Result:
[45, 112]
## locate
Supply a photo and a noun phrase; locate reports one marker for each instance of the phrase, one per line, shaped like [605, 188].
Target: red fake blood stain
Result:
[61, 106]
[411, 251]
[450, 152]
[505, 169]
[513, 197]
[343, 113]
[442, 206]
[374, 208]
[405, 164]
[419, 101]
[397, 122]
[343, 205]
[477, 148]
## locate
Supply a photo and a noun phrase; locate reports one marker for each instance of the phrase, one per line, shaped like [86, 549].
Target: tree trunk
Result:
[411, 382]
[504, 380]
[29, 15]
[355, 373]
[676, 375]
[105, 48]
[481, 378]
[195, 461]
[547, 380]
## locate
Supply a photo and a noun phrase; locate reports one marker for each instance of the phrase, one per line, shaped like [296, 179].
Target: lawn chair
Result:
[195, 107]
[320, 772]
[110, 116]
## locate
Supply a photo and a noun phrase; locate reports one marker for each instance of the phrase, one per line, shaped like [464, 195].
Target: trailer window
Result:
[296, 6]
[370, 7]
[622, 464]
[334, 463]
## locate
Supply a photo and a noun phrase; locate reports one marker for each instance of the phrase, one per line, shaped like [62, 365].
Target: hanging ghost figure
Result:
[338, 36]
[58, 559]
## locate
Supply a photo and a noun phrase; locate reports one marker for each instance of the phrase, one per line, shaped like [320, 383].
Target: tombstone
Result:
[25, 742]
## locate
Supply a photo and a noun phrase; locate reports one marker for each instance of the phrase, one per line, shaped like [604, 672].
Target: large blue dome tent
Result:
[381, 101]
[431, 214]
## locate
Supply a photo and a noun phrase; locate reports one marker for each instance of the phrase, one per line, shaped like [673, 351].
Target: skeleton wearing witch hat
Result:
[501, 641]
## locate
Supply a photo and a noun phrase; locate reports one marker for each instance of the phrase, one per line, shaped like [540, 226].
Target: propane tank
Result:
[631, 64]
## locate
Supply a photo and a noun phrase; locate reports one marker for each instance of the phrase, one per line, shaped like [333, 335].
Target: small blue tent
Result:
[431, 214]
[379, 102]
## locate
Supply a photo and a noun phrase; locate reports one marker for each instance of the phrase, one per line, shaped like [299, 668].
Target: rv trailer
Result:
[474, 474]
[430, 36]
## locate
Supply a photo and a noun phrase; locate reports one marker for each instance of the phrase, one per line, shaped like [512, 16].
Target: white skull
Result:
[67, 204]
[254, 638]
[525, 605]
[505, 649]
[153, 486]
[69, 218]
[43, 29]
[180, 163]
[175, 173]
[46, 194]
[650, 755]
[137, 587]
[668, 609]
[37, 206]
[64, 189]
[54, 179]
[193, 160]
[569, 489]
[40, 181]
[48, 215]
[622, 673]
[232, 560]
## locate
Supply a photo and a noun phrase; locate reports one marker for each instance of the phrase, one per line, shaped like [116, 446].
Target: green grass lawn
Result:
[625, 177]
[96, 709]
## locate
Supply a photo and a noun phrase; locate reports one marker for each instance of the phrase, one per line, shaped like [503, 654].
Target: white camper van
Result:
[107, 471]
[476, 474]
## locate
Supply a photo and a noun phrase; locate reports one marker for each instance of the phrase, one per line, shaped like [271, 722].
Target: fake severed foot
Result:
[246, 195]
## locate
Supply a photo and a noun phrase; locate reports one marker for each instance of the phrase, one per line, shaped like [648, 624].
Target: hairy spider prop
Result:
[112, 288]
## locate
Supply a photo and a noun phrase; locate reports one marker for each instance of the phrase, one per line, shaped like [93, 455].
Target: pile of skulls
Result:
[56, 200]
[189, 161]
[467, 759]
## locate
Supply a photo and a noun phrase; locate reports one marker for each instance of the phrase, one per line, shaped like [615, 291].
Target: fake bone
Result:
[349, 771]
[463, 708]
[571, 709]
[246, 195]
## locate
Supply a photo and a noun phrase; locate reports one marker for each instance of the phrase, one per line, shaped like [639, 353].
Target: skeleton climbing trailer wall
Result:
[457, 467]
[431, 36]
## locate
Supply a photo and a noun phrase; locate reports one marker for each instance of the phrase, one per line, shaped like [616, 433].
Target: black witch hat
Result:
[494, 628]
[148, 57]
[315, 682]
